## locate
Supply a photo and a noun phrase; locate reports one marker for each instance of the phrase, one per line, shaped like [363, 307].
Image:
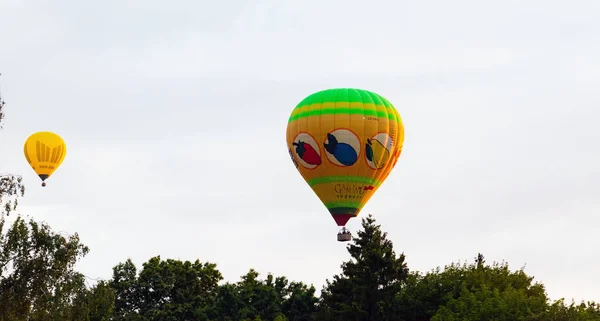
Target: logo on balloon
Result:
[351, 191]
[307, 151]
[378, 150]
[342, 147]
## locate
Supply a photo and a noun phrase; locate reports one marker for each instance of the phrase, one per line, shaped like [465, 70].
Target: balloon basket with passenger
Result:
[344, 235]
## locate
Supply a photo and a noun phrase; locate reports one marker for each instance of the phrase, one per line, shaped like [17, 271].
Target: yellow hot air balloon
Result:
[45, 151]
[344, 142]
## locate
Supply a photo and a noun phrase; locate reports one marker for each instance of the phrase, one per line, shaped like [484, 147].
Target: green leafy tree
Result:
[11, 188]
[274, 298]
[94, 304]
[37, 279]
[300, 302]
[124, 284]
[493, 293]
[165, 290]
[472, 292]
[369, 282]
[100, 301]
[228, 304]
[559, 311]
[258, 299]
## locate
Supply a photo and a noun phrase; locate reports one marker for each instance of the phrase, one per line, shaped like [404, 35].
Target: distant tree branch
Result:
[11, 188]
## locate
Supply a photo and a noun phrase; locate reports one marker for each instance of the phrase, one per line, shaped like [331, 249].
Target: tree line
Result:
[38, 282]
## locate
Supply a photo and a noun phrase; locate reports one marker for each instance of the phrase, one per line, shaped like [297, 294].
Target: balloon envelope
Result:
[344, 142]
[45, 151]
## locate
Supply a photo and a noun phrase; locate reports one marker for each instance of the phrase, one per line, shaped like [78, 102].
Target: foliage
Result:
[176, 290]
[37, 279]
[471, 292]
[274, 298]
[492, 292]
[559, 311]
[165, 290]
[368, 284]
[38, 283]
[11, 186]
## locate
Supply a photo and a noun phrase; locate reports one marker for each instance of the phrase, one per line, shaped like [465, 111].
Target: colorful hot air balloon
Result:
[45, 151]
[344, 142]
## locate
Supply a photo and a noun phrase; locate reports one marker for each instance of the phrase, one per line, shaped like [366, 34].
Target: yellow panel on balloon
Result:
[344, 142]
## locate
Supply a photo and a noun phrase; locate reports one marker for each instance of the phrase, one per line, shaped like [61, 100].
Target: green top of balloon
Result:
[350, 95]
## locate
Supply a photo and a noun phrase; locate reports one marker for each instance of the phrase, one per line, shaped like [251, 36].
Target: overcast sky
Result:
[174, 115]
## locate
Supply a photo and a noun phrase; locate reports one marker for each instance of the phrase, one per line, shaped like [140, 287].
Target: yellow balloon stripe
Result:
[351, 179]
